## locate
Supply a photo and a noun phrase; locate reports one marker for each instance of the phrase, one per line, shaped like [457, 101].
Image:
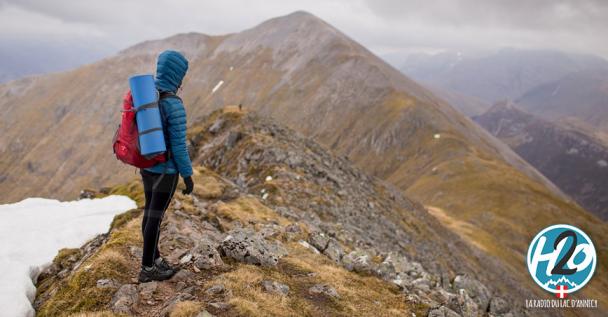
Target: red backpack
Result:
[126, 139]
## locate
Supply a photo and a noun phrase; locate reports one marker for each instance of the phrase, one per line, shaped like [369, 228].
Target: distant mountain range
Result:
[579, 99]
[23, 57]
[304, 73]
[575, 162]
[566, 93]
[491, 77]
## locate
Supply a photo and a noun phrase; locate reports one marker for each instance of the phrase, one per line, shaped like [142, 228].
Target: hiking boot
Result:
[164, 265]
[154, 273]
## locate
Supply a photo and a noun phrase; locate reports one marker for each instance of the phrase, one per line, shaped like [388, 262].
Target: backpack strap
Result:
[167, 94]
[162, 95]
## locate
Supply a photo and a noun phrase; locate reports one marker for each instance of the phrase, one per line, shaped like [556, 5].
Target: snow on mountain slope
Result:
[32, 231]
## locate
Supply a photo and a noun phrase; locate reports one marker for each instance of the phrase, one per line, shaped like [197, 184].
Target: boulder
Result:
[358, 261]
[124, 299]
[477, 291]
[216, 289]
[220, 305]
[498, 306]
[233, 137]
[292, 231]
[334, 251]
[206, 256]
[270, 230]
[422, 284]
[324, 290]
[468, 306]
[87, 194]
[244, 245]
[293, 228]
[308, 246]
[147, 290]
[183, 276]
[318, 240]
[107, 283]
[447, 299]
[442, 311]
[275, 287]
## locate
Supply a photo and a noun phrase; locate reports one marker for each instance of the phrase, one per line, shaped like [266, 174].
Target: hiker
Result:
[160, 181]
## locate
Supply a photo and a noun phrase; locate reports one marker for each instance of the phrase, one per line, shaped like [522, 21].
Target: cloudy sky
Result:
[388, 27]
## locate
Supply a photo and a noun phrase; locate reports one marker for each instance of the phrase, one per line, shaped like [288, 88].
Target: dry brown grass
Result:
[500, 210]
[301, 269]
[133, 189]
[207, 184]
[79, 292]
[186, 309]
[248, 209]
[96, 314]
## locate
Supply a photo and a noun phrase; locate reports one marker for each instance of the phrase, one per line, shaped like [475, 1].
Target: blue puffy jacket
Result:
[170, 71]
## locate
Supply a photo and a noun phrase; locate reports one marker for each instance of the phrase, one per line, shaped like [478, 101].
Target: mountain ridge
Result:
[493, 76]
[578, 99]
[571, 159]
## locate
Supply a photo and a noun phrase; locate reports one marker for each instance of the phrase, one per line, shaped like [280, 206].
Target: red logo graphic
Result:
[561, 291]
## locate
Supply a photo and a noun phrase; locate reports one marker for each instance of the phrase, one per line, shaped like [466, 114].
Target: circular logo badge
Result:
[561, 259]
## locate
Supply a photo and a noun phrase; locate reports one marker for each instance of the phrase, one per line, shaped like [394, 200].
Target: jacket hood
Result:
[171, 68]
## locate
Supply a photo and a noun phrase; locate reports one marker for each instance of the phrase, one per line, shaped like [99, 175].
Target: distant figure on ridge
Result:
[160, 181]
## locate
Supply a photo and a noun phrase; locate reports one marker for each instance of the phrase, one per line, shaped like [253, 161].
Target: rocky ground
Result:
[276, 226]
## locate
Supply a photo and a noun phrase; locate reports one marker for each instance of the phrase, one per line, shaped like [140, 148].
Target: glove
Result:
[189, 185]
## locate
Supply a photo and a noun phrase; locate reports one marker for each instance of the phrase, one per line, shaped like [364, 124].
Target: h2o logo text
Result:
[561, 259]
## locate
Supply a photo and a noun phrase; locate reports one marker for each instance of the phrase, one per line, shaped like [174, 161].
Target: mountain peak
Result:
[300, 14]
[297, 38]
[299, 17]
[503, 105]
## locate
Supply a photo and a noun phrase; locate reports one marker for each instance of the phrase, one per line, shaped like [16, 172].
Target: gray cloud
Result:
[385, 26]
[546, 15]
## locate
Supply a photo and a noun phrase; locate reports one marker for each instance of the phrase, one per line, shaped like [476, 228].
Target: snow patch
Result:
[34, 229]
[217, 86]
[572, 151]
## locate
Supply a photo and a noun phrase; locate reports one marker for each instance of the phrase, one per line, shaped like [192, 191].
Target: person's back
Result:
[160, 181]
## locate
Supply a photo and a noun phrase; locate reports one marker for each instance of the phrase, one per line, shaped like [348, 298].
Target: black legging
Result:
[157, 201]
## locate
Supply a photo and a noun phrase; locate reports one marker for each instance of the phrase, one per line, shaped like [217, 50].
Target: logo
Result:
[561, 259]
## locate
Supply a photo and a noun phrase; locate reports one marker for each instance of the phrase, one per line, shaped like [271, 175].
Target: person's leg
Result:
[160, 199]
[148, 181]
[172, 180]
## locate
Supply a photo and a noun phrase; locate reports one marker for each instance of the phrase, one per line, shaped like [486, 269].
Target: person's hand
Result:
[189, 185]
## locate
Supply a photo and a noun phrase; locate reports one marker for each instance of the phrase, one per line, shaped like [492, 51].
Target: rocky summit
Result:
[278, 226]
